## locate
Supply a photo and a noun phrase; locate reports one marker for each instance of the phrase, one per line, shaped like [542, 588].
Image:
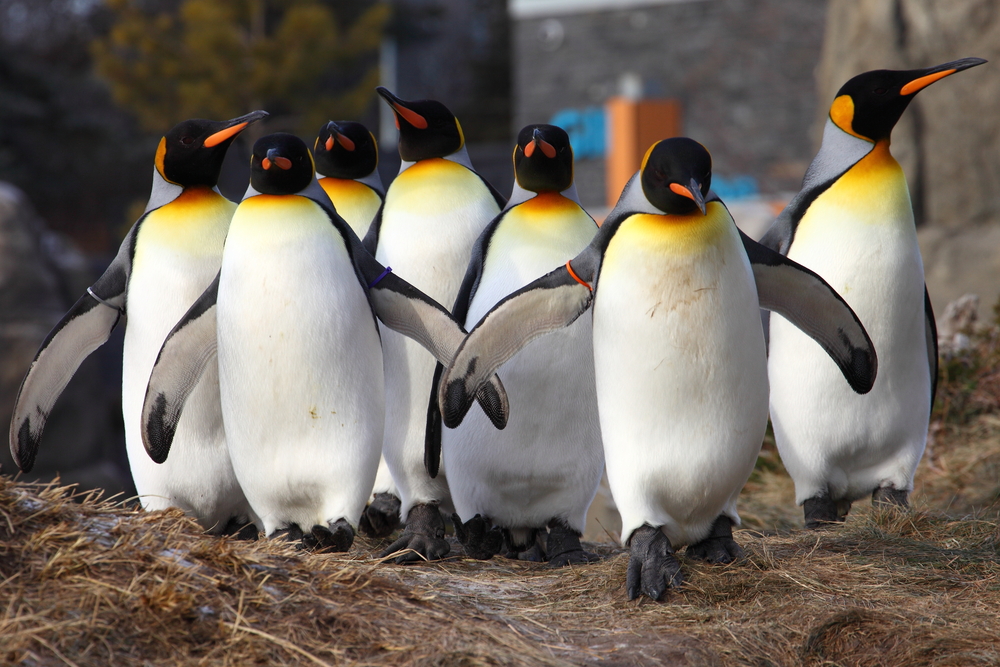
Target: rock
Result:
[956, 323]
[40, 277]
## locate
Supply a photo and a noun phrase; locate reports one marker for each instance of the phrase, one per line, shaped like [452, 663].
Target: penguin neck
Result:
[162, 193]
[461, 156]
[372, 180]
[519, 195]
[838, 153]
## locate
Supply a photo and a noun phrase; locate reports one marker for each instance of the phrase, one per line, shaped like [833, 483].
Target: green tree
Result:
[298, 59]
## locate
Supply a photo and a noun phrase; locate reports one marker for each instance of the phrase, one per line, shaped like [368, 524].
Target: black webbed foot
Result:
[890, 496]
[480, 539]
[652, 568]
[423, 538]
[563, 546]
[338, 537]
[822, 511]
[240, 528]
[719, 547]
[291, 533]
[381, 516]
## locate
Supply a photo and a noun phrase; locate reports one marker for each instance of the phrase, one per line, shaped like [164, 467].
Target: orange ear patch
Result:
[222, 135]
[411, 117]
[345, 142]
[266, 164]
[679, 189]
[329, 143]
[547, 148]
[924, 81]
[529, 150]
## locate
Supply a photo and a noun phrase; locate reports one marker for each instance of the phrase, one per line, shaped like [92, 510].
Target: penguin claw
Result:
[337, 538]
[381, 516]
[821, 511]
[719, 547]
[564, 548]
[479, 538]
[422, 539]
[652, 567]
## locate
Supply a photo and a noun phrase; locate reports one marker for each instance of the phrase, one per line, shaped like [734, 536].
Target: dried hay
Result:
[91, 582]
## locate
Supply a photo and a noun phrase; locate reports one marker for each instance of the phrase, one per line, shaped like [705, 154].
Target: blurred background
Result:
[87, 88]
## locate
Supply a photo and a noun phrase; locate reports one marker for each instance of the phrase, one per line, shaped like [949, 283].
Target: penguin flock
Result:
[305, 363]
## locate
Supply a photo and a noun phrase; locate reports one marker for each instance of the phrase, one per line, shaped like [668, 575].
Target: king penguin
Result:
[538, 476]
[434, 211]
[346, 155]
[291, 318]
[165, 262]
[852, 223]
[680, 364]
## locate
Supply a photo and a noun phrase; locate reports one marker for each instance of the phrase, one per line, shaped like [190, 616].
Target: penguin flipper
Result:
[404, 308]
[807, 301]
[930, 331]
[83, 329]
[548, 304]
[185, 354]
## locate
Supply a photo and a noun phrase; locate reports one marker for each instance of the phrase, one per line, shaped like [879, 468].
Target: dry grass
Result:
[86, 582]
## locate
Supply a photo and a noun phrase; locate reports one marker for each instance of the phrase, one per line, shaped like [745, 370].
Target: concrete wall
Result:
[743, 71]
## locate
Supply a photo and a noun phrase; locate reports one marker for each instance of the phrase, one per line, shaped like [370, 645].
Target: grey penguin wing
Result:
[83, 329]
[548, 304]
[404, 308]
[185, 354]
[930, 331]
[807, 301]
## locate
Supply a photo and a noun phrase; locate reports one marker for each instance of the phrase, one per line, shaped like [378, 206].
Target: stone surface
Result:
[40, 278]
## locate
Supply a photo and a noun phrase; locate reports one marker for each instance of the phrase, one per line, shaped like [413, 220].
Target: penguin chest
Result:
[532, 238]
[356, 203]
[178, 251]
[433, 213]
[299, 355]
[680, 362]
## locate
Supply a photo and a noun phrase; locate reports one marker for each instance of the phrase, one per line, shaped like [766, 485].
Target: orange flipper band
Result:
[577, 278]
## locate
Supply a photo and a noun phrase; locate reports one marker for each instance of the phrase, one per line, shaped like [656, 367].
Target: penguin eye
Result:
[880, 91]
[187, 140]
[659, 175]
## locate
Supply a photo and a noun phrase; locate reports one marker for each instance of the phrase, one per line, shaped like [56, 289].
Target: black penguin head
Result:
[281, 164]
[345, 149]
[191, 153]
[869, 105]
[427, 129]
[543, 159]
[676, 175]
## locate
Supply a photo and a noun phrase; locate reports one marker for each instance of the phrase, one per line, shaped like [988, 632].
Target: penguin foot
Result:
[652, 567]
[889, 496]
[479, 538]
[563, 546]
[423, 537]
[291, 534]
[381, 516]
[240, 528]
[719, 547]
[523, 544]
[337, 538]
[822, 511]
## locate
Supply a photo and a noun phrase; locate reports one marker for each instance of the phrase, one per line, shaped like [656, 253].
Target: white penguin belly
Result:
[426, 236]
[548, 461]
[178, 253]
[300, 367]
[681, 372]
[831, 439]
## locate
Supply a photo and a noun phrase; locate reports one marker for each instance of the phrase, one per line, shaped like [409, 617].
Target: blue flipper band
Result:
[106, 303]
[380, 277]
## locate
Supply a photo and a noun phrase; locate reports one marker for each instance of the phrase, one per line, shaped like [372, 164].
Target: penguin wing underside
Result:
[187, 351]
[404, 308]
[83, 329]
[548, 304]
[807, 301]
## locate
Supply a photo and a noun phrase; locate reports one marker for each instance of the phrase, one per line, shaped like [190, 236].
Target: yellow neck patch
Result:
[842, 115]
[161, 153]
